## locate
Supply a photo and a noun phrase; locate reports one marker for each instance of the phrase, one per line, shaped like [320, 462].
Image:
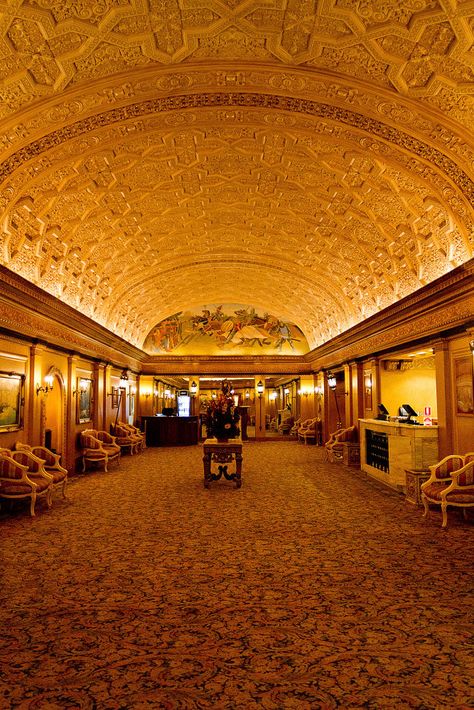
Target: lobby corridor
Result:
[311, 587]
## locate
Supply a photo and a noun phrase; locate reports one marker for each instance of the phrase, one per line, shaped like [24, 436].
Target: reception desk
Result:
[171, 431]
[389, 449]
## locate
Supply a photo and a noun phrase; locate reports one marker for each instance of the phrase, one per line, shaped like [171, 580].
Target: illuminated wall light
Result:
[49, 379]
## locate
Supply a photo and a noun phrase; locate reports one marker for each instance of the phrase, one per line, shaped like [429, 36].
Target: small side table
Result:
[351, 454]
[414, 479]
[222, 453]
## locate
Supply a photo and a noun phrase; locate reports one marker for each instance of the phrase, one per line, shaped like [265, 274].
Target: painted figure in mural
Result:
[167, 334]
[243, 328]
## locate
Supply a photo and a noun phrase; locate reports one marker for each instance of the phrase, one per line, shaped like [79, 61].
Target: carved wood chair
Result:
[335, 444]
[310, 432]
[125, 439]
[95, 451]
[21, 476]
[51, 464]
[451, 483]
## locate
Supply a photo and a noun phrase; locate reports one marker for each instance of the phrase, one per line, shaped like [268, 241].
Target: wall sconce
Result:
[319, 391]
[273, 395]
[213, 394]
[82, 387]
[193, 388]
[147, 393]
[123, 379]
[332, 386]
[48, 386]
[247, 394]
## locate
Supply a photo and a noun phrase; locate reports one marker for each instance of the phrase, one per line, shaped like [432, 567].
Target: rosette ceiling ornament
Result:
[311, 159]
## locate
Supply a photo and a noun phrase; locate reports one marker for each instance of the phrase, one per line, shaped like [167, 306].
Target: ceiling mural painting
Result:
[220, 329]
[321, 153]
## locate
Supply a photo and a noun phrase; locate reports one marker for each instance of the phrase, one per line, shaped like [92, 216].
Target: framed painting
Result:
[84, 400]
[464, 385]
[11, 400]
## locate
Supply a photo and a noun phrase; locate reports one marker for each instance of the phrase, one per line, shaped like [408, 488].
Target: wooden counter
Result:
[389, 449]
[171, 431]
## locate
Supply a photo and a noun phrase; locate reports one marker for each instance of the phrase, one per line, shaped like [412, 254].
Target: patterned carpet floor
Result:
[311, 587]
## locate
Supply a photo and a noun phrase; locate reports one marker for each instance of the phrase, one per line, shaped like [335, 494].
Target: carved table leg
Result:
[207, 468]
[238, 470]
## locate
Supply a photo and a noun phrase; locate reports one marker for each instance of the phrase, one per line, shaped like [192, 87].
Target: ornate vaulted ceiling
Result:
[314, 159]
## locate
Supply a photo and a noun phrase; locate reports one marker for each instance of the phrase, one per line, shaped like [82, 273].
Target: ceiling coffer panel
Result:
[314, 164]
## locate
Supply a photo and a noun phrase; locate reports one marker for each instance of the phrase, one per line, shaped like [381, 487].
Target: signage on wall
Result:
[427, 420]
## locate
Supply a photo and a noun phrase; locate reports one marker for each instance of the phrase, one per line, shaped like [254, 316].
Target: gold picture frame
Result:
[464, 385]
[84, 400]
[11, 400]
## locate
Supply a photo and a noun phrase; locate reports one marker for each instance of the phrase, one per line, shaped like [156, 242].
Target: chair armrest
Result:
[462, 478]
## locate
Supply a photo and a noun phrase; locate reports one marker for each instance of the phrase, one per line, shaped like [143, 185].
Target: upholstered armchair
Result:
[335, 444]
[94, 451]
[310, 432]
[33, 468]
[16, 482]
[303, 425]
[109, 443]
[125, 439]
[296, 426]
[51, 464]
[286, 423]
[450, 483]
[136, 434]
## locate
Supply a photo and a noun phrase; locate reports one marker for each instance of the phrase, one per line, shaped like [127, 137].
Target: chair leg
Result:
[32, 504]
[444, 510]
[425, 505]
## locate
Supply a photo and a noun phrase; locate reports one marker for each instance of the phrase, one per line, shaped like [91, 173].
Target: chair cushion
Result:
[461, 495]
[433, 491]
[95, 455]
[20, 488]
[58, 476]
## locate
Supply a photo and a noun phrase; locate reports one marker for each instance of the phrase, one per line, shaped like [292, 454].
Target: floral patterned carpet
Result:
[311, 587]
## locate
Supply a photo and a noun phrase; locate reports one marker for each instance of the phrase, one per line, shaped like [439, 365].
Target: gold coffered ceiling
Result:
[314, 159]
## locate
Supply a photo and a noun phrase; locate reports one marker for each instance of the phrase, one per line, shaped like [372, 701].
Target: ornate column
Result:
[444, 397]
[356, 388]
[69, 457]
[99, 396]
[35, 412]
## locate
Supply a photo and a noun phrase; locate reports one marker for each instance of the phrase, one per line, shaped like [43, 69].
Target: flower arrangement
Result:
[222, 417]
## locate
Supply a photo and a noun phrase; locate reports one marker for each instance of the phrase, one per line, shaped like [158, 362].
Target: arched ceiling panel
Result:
[312, 175]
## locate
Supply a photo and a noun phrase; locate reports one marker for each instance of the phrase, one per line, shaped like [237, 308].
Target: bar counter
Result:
[171, 431]
[389, 449]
